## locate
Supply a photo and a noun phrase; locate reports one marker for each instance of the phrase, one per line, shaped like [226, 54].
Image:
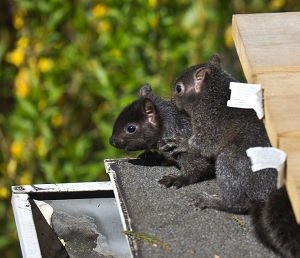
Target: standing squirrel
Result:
[146, 122]
[275, 224]
[221, 134]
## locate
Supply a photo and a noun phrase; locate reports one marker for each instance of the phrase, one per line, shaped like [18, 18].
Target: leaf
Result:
[147, 238]
[239, 221]
[82, 146]
[28, 108]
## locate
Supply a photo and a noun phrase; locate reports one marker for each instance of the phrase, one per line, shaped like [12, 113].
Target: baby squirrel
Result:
[143, 125]
[275, 224]
[221, 134]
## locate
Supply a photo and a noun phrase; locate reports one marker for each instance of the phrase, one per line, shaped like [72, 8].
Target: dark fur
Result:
[222, 134]
[157, 119]
[275, 224]
[154, 118]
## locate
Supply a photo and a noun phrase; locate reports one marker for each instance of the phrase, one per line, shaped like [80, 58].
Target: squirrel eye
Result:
[179, 88]
[131, 128]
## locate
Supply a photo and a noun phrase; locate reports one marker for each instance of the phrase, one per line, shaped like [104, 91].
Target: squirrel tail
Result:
[275, 225]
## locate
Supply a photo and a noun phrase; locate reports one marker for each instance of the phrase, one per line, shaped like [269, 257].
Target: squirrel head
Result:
[191, 84]
[138, 126]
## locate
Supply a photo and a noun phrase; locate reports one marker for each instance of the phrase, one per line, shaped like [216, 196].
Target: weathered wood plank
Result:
[267, 42]
[292, 147]
[268, 45]
[282, 104]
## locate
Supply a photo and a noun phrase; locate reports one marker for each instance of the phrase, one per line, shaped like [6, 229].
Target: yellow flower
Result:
[57, 120]
[116, 53]
[44, 64]
[22, 83]
[12, 168]
[99, 10]
[38, 47]
[18, 21]
[16, 149]
[25, 179]
[228, 37]
[40, 146]
[16, 57]
[277, 4]
[23, 42]
[104, 26]
[153, 22]
[153, 3]
[4, 193]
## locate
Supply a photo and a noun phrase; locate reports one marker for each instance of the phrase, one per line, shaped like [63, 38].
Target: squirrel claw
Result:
[178, 151]
[172, 180]
[172, 149]
[172, 146]
[196, 204]
[168, 146]
[199, 203]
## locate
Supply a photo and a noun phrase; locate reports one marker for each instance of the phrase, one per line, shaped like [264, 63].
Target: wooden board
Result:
[282, 104]
[292, 147]
[267, 42]
[268, 45]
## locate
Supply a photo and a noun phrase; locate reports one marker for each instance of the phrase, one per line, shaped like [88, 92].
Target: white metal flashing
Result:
[25, 225]
[22, 209]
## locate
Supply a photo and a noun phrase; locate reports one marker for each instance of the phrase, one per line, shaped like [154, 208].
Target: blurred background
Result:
[69, 67]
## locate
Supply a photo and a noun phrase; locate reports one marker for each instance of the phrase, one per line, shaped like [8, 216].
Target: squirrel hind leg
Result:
[177, 181]
[212, 201]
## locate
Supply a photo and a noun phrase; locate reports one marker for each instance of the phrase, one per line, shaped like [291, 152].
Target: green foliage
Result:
[68, 68]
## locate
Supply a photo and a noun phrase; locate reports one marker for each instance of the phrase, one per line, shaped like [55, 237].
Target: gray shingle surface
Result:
[165, 214]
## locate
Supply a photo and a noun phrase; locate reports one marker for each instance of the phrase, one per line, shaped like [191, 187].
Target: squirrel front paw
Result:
[173, 146]
[173, 180]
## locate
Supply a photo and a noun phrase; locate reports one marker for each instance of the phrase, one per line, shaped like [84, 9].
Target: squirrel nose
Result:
[111, 141]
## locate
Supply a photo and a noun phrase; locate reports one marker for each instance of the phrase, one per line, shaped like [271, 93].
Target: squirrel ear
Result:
[199, 78]
[145, 90]
[150, 111]
[215, 60]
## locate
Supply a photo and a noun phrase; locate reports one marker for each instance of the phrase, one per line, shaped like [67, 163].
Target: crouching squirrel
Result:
[221, 134]
[143, 125]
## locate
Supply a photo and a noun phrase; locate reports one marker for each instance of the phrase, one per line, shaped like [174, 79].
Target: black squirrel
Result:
[275, 224]
[272, 216]
[221, 134]
[145, 123]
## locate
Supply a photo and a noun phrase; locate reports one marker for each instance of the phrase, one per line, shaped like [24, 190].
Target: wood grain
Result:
[268, 45]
